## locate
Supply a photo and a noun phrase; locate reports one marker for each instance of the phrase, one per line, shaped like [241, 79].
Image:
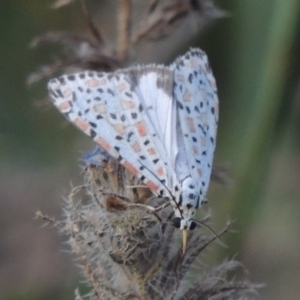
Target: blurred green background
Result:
[254, 53]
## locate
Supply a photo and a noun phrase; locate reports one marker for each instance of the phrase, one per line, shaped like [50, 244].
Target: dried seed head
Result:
[130, 251]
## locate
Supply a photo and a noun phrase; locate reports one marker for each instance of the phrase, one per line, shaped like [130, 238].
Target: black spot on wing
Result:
[60, 93]
[62, 80]
[113, 116]
[94, 125]
[71, 77]
[180, 200]
[155, 161]
[203, 130]
[92, 133]
[90, 74]
[134, 115]
[109, 91]
[180, 106]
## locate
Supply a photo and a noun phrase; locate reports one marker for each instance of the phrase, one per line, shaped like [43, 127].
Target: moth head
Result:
[187, 203]
[184, 225]
[186, 207]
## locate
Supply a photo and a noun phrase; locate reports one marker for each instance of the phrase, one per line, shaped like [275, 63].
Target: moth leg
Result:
[151, 209]
[161, 207]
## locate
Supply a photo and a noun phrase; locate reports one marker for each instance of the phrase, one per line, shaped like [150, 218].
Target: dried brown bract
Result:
[160, 19]
[163, 19]
[129, 250]
[127, 247]
[60, 3]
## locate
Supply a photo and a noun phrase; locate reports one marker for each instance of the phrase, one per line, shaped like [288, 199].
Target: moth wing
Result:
[197, 102]
[104, 106]
[155, 91]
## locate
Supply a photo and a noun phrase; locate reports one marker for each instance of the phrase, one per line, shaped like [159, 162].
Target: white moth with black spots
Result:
[159, 122]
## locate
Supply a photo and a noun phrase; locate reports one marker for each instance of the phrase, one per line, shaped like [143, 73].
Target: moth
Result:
[159, 122]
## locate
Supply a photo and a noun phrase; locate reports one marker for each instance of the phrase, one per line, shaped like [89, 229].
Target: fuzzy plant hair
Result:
[128, 249]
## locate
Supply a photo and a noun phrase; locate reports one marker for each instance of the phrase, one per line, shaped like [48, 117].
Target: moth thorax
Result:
[189, 193]
[187, 204]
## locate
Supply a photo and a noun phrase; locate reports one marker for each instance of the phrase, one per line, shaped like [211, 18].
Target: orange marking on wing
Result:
[180, 78]
[136, 147]
[121, 87]
[193, 63]
[141, 128]
[64, 106]
[99, 81]
[152, 151]
[152, 186]
[160, 171]
[93, 82]
[81, 124]
[191, 124]
[200, 173]
[128, 104]
[119, 128]
[68, 93]
[217, 108]
[100, 108]
[103, 143]
[203, 142]
[131, 168]
[203, 118]
[196, 150]
[213, 83]
[187, 96]
[204, 94]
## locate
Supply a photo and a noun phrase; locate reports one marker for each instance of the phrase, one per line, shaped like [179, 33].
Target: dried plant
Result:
[160, 19]
[127, 247]
[119, 231]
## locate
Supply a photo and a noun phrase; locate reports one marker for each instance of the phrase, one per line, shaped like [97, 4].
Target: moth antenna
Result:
[158, 179]
[136, 186]
[211, 230]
